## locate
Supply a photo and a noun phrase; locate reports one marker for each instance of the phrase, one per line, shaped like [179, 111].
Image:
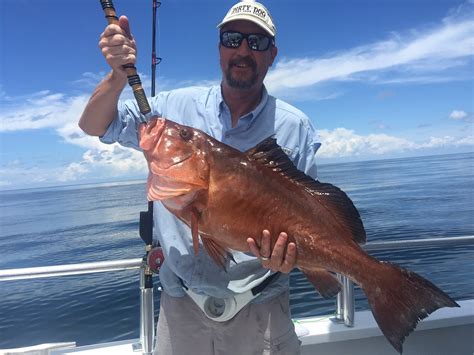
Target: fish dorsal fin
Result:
[268, 153]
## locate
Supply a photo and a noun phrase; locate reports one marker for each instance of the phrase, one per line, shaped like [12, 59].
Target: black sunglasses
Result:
[255, 41]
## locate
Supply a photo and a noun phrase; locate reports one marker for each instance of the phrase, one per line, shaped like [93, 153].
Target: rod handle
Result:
[132, 75]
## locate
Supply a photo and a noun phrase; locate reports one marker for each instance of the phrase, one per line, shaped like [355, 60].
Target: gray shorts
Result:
[263, 329]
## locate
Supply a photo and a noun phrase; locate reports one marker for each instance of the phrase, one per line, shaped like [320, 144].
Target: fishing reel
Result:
[154, 256]
[155, 259]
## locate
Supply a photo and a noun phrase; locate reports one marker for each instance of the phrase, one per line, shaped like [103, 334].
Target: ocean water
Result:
[397, 199]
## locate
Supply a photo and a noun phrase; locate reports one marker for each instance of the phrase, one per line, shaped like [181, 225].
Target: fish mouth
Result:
[156, 167]
[149, 133]
[162, 188]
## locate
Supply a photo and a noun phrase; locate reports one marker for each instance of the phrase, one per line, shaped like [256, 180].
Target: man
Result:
[240, 113]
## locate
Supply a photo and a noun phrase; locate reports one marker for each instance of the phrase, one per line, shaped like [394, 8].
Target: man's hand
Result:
[118, 46]
[276, 259]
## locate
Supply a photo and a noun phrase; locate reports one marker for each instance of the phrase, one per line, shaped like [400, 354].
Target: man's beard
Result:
[241, 83]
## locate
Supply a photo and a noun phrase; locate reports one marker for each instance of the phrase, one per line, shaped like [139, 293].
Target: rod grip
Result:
[132, 75]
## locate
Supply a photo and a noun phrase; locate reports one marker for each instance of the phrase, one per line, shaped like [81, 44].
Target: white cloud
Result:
[41, 110]
[457, 115]
[108, 164]
[342, 142]
[73, 172]
[19, 174]
[420, 56]
[46, 110]
[447, 141]
[115, 161]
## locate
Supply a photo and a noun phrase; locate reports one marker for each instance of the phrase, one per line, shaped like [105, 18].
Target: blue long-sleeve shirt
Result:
[205, 109]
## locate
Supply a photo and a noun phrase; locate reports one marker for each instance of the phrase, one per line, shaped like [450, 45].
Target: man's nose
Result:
[244, 47]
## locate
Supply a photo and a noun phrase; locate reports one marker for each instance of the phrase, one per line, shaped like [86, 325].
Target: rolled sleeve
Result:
[309, 159]
[124, 128]
[309, 145]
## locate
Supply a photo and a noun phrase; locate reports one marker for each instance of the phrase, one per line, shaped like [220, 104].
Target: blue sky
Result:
[378, 78]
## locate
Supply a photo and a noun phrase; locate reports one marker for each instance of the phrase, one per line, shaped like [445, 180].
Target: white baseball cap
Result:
[250, 10]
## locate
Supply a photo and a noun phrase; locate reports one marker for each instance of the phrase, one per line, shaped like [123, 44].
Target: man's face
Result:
[243, 68]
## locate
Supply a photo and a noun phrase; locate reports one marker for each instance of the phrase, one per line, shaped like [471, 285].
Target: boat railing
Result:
[345, 302]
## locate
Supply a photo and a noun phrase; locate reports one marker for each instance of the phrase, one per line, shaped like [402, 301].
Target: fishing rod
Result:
[146, 227]
[154, 59]
[146, 217]
[153, 257]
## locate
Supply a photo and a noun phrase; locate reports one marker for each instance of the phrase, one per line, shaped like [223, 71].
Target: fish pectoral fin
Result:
[216, 251]
[325, 282]
[195, 229]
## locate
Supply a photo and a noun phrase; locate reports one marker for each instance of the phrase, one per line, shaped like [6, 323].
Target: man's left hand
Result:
[276, 259]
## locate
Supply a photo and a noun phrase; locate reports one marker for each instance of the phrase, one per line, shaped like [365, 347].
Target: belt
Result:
[223, 309]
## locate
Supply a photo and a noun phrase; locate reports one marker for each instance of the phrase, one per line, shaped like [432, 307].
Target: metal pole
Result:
[340, 301]
[345, 303]
[71, 269]
[422, 242]
[147, 324]
[348, 301]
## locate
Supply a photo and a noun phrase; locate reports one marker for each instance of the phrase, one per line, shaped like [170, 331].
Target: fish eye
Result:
[186, 134]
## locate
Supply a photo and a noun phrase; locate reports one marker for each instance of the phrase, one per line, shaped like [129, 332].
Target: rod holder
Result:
[345, 303]
[349, 302]
[339, 317]
[147, 311]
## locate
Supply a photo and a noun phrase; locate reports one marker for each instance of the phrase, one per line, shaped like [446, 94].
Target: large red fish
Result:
[226, 196]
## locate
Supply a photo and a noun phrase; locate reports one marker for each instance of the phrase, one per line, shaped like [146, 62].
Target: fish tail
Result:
[399, 299]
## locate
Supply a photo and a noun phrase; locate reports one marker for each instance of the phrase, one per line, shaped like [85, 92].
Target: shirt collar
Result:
[252, 115]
